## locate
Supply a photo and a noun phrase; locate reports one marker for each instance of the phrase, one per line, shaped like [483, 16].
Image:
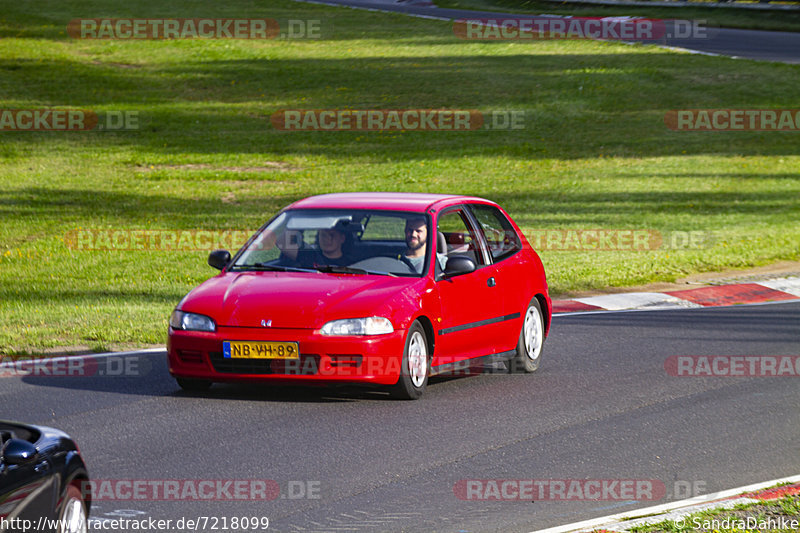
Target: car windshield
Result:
[341, 241]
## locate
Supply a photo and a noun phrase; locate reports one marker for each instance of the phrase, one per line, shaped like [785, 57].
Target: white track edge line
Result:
[676, 308]
[60, 358]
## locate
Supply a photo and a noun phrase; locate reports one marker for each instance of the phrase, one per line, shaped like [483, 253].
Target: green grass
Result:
[595, 152]
[710, 17]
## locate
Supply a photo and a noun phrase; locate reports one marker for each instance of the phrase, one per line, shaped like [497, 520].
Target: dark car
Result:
[41, 475]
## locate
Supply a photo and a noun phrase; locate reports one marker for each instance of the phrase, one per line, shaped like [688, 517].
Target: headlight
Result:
[373, 325]
[191, 322]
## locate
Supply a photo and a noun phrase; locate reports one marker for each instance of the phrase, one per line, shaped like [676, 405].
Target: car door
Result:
[472, 307]
[502, 244]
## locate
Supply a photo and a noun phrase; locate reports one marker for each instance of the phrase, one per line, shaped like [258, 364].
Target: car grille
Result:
[307, 365]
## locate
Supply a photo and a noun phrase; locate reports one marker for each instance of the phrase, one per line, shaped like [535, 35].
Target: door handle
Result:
[491, 282]
[42, 467]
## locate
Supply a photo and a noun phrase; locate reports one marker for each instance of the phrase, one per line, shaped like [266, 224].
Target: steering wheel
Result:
[406, 261]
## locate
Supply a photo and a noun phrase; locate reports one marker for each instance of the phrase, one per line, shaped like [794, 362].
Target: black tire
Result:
[193, 385]
[415, 366]
[531, 340]
[72, 517]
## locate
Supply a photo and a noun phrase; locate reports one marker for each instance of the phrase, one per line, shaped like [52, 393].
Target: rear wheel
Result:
[72, 518]
[531, 340]
[193, 385]
[415, 365]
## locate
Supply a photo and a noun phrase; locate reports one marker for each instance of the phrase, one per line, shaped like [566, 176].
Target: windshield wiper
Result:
[336, 269]
[328, 269]
[271, 268]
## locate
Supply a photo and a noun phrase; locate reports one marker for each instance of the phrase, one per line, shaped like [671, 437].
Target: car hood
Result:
[300, 300]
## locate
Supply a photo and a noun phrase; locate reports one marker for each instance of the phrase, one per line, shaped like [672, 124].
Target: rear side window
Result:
[498, 231]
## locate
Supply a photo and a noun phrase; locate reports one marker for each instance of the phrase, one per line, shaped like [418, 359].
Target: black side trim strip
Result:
[479, 323]
[460, 366]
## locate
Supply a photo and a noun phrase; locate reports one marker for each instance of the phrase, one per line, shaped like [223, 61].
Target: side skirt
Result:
[463, 367]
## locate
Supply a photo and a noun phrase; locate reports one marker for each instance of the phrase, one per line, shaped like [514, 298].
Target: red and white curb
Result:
[676, 510]
[774, 290]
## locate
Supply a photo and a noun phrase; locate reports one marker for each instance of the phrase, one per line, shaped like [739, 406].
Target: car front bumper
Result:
[325, 359]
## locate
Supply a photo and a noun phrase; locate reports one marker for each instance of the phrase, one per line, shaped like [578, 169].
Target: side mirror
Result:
[18, 452]
[458, 265]
[219, 259]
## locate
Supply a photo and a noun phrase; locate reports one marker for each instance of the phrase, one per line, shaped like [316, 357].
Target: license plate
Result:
[260, 350]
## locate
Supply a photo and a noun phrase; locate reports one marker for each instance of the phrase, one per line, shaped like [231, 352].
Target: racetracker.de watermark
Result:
[573, 239]
[200, 489]
[67, 120]
[604, 240]
[553, 28]
[560, 489]
[733, 119]
[74, 366]
[125, 239]
[443, 120]
[197, 28]
[733, 366]
[128, 522]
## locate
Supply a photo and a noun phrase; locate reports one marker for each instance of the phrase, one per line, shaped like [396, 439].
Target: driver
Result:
[417, 243]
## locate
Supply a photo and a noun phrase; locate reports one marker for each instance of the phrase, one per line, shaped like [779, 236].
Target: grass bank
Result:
[593, 152]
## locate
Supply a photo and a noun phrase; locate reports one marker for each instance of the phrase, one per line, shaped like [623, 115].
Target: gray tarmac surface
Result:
[750, 44]
[601, 407]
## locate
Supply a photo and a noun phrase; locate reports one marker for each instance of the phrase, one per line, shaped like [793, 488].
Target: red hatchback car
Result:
[381, 288]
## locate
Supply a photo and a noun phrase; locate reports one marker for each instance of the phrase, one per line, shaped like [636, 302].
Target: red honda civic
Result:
[380, 288]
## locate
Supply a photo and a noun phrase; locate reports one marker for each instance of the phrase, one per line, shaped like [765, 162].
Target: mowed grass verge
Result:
[594, 152]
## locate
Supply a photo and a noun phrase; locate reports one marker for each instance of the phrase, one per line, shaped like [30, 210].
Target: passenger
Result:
[330, 252]
[290, 243]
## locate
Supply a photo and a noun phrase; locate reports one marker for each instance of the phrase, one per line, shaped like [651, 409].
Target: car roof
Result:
[399, 201]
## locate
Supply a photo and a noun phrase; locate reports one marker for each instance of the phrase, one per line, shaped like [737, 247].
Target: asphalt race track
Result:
[751, 44]
[602, 406]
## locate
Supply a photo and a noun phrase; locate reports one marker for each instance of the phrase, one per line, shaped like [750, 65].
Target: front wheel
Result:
[531, 340]
[415, 365]
[72, 518]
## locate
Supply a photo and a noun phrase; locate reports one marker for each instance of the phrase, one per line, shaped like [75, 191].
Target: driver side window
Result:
[456, 237]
